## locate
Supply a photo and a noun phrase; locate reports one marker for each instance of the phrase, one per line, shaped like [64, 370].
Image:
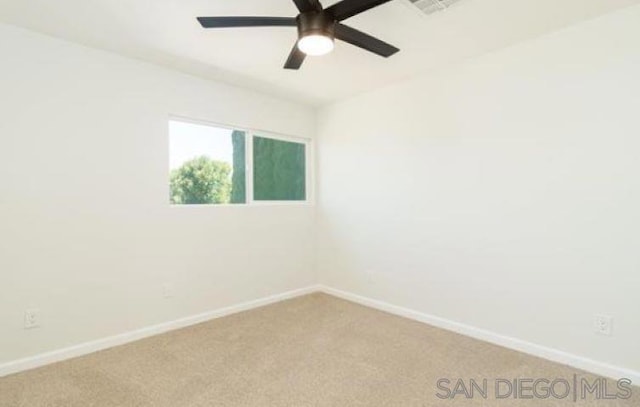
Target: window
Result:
[278, 170]
[209, 165]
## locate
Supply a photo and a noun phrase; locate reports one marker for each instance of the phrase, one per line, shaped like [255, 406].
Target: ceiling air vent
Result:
[432, 6]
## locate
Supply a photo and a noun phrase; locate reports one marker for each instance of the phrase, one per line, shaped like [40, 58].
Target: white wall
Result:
[86, 231]
[503, 193]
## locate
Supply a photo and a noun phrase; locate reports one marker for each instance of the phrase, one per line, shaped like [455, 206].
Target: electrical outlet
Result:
[370, 276]
[31, 318]
[602, 324]
[167, 290]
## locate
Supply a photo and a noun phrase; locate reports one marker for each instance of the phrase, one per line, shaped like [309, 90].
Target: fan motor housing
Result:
[315, 23]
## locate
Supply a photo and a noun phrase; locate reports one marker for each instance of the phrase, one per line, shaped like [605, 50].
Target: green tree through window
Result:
[201, 181]
[238, 180]
[279, 170]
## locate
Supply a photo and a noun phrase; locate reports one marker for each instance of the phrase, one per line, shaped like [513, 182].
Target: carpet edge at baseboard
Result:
[85, 348]
[554, 355]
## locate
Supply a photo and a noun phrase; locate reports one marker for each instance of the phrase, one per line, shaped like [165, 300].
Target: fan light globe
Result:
[315, 45]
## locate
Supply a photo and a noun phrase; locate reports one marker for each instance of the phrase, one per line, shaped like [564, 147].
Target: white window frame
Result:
[249, 135]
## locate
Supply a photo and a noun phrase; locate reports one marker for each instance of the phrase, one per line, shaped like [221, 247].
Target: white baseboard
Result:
[554, 355]
[579, 362]
[42, 359]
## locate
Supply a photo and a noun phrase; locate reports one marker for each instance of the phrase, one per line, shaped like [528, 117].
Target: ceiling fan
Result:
[317, 28]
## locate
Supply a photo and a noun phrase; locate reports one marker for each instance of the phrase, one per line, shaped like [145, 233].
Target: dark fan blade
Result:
[308, 5]
[296, 58]
[365, 41]
[349, 8]
[227, 22]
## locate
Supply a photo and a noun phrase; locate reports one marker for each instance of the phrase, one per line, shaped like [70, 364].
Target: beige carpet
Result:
[311, 351]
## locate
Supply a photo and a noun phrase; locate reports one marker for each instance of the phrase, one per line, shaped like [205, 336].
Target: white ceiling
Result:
[165, 32]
